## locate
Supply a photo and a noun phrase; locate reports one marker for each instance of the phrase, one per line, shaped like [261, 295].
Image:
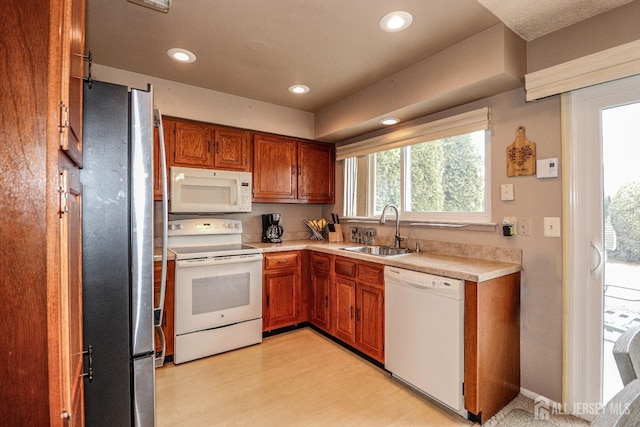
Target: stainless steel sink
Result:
[378, 250]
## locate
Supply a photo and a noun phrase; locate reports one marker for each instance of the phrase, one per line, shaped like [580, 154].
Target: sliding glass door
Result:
[602, 243]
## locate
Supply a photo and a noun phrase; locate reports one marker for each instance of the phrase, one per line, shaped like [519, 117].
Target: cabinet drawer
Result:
[281, 260]
[345, 267]
[371, 273]
[321, 261]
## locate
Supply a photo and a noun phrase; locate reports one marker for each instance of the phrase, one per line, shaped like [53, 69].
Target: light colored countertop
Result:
[466, 268]
[157, 255]
[473, 269]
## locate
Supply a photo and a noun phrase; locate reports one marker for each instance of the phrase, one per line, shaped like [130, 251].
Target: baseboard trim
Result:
[543, 401]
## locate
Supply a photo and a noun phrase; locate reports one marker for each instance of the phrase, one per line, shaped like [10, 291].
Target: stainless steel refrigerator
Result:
[117, 255]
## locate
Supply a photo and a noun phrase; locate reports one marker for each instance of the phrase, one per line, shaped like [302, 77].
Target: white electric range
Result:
[218, 288]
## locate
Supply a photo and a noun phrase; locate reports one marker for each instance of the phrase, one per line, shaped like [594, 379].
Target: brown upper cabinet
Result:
[232, 149]
[203, 145]
[73, 59]
[285, 170]
[292, 171]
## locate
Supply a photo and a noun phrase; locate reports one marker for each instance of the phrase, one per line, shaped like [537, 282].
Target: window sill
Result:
[460, 226]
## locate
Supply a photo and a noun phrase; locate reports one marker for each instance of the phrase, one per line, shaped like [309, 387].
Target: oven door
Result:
[218, 291]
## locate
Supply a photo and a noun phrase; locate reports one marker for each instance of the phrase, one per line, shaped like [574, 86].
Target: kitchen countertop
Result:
[472, 269]
[157, 255]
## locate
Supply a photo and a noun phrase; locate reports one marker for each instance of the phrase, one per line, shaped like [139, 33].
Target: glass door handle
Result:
[599, 253]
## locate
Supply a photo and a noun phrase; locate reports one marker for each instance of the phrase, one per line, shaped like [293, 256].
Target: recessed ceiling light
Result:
[298, 89]
[396, 21]
[389, 121]
[181, 55]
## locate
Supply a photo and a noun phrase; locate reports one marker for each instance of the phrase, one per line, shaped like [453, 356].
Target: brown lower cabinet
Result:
[281, 299]
[345, 298]
[167, 317]
[320, 284]
[358, 301]
[491, 344]
[347, 301]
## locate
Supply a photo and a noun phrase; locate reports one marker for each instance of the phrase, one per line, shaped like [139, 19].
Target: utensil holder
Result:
[317, 234]
[336, 236]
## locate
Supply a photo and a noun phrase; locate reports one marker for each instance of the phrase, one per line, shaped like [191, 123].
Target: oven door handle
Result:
[234, 259]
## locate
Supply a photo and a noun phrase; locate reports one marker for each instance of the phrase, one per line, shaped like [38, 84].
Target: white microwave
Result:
[209, 191]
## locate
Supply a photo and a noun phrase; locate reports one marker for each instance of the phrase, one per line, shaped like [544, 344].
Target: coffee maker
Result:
[271, 228]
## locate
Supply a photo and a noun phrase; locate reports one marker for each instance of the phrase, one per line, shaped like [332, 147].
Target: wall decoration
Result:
[521, 155]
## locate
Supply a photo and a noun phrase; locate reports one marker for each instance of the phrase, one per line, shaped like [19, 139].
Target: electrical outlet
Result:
[525, 226]
[368, 235]
[353, 235]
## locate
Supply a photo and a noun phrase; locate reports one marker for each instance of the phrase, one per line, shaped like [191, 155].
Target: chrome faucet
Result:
[383, 218]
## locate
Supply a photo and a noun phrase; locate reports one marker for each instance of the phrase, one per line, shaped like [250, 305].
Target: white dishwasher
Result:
[424, 333]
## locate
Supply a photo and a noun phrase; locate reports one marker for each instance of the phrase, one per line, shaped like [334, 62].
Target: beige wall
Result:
[191, 102]
[541, 299]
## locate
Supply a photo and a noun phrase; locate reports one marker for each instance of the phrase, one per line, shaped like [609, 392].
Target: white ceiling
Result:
[258, 48]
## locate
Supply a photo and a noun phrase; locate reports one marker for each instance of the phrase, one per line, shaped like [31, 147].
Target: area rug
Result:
[520, 413]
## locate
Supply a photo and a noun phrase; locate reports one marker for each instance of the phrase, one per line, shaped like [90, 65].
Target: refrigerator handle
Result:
[159, 355]
[158, 311]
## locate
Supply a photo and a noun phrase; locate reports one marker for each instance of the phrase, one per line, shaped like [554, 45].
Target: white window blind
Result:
[350, 178]
[607, 65]
[455, 125]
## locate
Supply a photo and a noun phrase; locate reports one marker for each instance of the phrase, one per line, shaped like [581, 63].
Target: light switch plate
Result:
[551, 226]
[506, 192]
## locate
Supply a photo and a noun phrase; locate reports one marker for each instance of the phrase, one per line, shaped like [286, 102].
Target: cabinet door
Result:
[370, 321]
[320, 282]
[345, 309]
[274, 172]
[316, 175]
[70, 300]
[72, 78]
[280, 299]
[232, 150]
[191, 144]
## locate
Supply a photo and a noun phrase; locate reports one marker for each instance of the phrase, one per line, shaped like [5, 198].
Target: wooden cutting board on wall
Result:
[521, 155]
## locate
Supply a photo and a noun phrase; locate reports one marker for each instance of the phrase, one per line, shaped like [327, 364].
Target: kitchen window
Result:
[443, 179]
